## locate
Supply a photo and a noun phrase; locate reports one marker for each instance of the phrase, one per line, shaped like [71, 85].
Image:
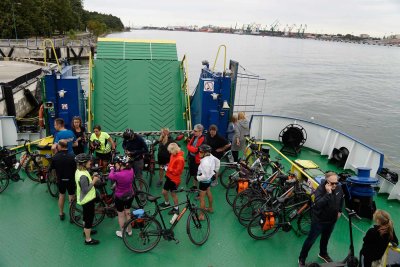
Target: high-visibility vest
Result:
[90, 195]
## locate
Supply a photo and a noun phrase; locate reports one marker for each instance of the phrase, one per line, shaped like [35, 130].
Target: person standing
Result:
[65, 134]
[80, 134]
[135, 147]
[230, 131]
[208, 168]
[123, 175]
[217, 143]
[325, 211]
[86, 195]
[173, 177]
[193, 148]
[244, 130]
[63, 163]
[104, 147]
[163, 155]
[377, 238]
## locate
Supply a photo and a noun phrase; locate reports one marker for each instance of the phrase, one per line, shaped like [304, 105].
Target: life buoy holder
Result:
[41, 116]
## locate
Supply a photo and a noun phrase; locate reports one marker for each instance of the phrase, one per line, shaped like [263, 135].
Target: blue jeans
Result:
[323, 229]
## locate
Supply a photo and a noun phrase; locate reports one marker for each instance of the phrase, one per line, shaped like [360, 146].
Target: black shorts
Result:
[63, 186]
[163, 160]
[169, 185]
[193, 167]
[104, 156]
[204, 186]
[122, 205]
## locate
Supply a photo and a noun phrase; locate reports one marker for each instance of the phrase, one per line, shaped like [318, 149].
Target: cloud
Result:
[376, 17]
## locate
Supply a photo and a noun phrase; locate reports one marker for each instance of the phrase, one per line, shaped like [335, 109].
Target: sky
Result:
[375, 17]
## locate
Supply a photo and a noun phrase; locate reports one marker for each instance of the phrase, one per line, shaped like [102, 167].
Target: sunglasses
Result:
[333, 183]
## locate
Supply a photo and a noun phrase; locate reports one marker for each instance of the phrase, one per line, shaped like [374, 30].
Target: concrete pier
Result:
[16, 77]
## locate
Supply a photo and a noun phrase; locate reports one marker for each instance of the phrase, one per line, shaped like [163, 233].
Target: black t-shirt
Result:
[216, 142]
[65, 166]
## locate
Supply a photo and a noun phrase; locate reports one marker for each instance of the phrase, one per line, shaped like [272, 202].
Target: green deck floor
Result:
[32, 235]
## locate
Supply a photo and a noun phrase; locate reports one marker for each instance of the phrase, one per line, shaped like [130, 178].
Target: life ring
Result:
[41, 116]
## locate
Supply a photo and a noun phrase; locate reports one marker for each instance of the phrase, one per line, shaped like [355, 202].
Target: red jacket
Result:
[195, 149]
[175, 167]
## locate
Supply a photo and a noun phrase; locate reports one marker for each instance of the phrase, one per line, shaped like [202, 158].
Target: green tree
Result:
[97, 28]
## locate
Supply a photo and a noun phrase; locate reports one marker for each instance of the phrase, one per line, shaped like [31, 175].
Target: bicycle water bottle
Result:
[230, 158]
[293, 214]
[173, 219]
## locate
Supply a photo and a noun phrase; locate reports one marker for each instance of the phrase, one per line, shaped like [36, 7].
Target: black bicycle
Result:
[147, 231]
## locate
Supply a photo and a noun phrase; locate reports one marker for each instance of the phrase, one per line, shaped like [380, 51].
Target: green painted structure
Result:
[137, 84]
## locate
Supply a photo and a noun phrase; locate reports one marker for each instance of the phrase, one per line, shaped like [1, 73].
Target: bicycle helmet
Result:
[83, 158]
[128, 134]
[122, 159]
[205, 148]
[96, 144]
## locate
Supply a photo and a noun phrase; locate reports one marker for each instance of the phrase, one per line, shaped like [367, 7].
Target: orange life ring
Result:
[41, 116]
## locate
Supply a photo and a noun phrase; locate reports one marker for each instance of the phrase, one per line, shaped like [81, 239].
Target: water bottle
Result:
[16, 165]
[230, 158]
[173, 219]
[293, 214]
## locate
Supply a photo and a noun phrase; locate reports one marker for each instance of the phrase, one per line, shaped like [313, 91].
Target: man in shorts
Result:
[63, 163]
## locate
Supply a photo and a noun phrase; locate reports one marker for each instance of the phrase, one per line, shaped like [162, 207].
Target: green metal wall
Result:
[142, 94]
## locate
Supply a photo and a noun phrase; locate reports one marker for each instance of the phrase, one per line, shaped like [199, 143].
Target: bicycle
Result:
[104, 205]
[147, 231]
[150, 162]
[293, 204]
[34, 164]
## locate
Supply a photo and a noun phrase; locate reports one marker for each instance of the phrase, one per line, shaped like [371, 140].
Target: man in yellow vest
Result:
[86, 194]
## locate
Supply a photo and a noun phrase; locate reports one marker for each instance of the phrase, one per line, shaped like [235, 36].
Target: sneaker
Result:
[129, 233]
[92, 242]
[62, 217]
[302, 262]
[163, 205]
[159, 183]
[173, 211]
[326, 258]
[119, 233]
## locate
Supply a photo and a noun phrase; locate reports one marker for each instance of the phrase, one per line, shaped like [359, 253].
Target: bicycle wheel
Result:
[256, 231]
[36, 167]
[250, 209]
[231, 192]
[76, 213]
[140, 202]
[241, 199]
[140, 185]
[4, 181]
[52, 183]
[198, 230]
[146, 233]
[225, 174]
[304, 222]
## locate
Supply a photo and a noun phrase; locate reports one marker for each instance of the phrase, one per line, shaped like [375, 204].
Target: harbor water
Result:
[351, 87]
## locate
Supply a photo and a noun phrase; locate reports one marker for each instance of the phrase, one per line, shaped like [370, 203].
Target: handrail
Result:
[313, 182]
[54, 51]
[184, 66]
[29, 144]
[91, 89]
[216, 58]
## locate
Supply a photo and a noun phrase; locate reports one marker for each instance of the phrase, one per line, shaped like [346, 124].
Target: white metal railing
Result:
[320, 138]
[37, 42]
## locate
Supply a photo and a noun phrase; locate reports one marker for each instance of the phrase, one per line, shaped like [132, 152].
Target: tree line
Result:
[28, 18]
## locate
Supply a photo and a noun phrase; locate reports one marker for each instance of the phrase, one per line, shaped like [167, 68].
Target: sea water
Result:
[353, 88]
